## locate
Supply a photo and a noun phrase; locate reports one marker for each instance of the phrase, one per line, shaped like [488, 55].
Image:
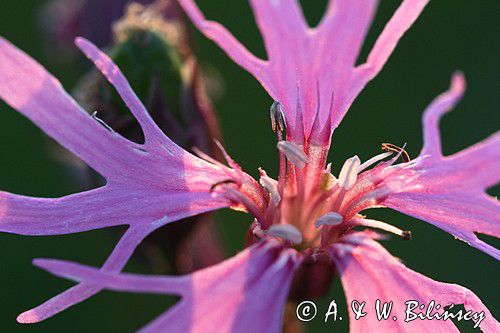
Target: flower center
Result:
[307, 206]
[318, 204]
[313, 208]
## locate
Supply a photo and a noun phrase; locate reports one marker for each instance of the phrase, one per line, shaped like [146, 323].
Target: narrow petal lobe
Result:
[450, 191]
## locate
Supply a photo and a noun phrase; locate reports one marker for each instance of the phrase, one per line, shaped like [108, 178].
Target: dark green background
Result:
[454, 34]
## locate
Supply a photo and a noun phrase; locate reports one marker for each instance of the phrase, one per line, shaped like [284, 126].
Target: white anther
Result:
[373, 160]
[329, 180]
[294, 153]
[285, 231]
[349, 172]
[329, 219]
[271, 185]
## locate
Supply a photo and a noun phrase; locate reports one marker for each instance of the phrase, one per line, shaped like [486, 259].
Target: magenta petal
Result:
[312, 71]
[403, 19]
[95, 209]
[104, 207]
[74, 213]
[58, 304]
[115, 263]
[368, 272]
[244, 294]
[449, 191]
[224, 39]
[432, 115]
[30, 89]
[151, 131]
[141, 215]
[146, 183]
[147, 186]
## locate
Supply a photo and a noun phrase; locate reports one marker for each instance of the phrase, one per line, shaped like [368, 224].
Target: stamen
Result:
[373, 160]
[405, 234]
[396, 149]
[277, 117]
[285, 231]
[329, 180]
[329, 219]
[271, 186]
[228, 158]
[294, 153]
[248, 204]
[349, 172]
[206, 157]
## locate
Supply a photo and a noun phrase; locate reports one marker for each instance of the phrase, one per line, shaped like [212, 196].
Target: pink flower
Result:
[311, 74]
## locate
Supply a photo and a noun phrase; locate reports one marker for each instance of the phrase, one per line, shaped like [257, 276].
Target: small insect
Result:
[396, 149]
[406, 235]
[277, 118]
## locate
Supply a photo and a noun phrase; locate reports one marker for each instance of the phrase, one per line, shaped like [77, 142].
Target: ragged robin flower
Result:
[307, 215]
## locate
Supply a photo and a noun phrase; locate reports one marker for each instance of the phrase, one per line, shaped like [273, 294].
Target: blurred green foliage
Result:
[159, 59]
[450, 35]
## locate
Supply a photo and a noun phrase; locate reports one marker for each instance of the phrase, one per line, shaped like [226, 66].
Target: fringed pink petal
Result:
[142, 210]
[118, 80]
[74, 295]
[244, 294]
[29, 88]
[450, 191]
[461, 215]
[220, 35]
[341, 44]
[403, 19]
[147, 187]
[74, 213]
[279, 20]
[368, 272]
[341, 34]
[311, 71]
[100, 208]
[441, 105]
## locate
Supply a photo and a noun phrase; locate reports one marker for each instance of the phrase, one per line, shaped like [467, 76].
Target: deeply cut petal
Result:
[29, 88]
[312, 71]
[104, 207]
[144, 211]
[368, 272]
[147, 187]
[151, 131]
[244, 294]
[449, 191]
[115, 262]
